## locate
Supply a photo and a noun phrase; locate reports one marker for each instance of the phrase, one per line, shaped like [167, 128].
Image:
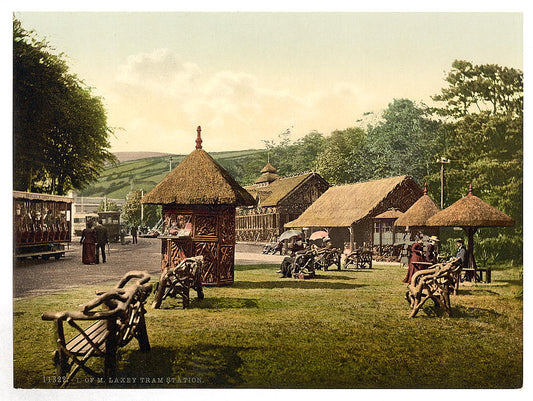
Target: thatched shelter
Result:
[348, 211]
[416, 217]
[199, 199]
[470, 213]
[279, 200]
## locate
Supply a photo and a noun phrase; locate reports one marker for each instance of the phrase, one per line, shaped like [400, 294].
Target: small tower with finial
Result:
[199, 138]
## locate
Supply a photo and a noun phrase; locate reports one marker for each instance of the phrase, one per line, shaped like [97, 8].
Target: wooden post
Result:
[351, 238]
[470, 250]
[442, 161]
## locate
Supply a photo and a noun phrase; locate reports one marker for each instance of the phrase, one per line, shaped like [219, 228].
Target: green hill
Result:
[117, 180]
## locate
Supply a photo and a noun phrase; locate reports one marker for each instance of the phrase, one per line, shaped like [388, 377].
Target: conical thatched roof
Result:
[199, 180]
[471, 211]
[418, 214]
[269, 168]
[344, 205]
[268, 174]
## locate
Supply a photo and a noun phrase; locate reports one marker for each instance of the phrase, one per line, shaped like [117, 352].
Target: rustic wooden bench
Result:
[360, 259]
[437, 282]
[119, 318]
[327, 257]
[179, 280]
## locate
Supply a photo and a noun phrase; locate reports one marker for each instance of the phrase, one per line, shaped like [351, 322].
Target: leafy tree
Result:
[483, 105]
[107, 206]
[404, 142]
[344, 157]
[60, 128]
[131, 211]
[306, 151]
[477, 88]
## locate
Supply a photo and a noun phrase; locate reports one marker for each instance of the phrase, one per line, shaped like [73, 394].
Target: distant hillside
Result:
[145, 173]
[127, 156]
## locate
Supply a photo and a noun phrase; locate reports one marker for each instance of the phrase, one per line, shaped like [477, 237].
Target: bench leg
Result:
[142, 335]
[160, 292]
[185, 297]
[110, 357]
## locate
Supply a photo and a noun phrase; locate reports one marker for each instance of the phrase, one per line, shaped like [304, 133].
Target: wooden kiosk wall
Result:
[212, 236]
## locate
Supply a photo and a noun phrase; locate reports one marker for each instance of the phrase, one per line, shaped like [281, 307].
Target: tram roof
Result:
[41, 197]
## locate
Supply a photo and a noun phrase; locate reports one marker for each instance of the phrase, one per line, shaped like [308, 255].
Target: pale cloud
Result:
[159, 100]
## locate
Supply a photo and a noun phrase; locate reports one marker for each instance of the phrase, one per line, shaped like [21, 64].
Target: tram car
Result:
[41, 225]
[81, 220]
[111, 221]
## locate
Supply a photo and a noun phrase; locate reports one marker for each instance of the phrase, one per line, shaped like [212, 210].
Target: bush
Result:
[489, 249]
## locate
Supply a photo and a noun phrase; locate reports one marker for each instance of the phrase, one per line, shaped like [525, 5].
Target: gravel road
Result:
[37, 277]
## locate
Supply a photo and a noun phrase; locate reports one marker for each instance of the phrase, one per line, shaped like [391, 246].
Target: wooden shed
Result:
[279, 200]
[347, 212]
[198, 199]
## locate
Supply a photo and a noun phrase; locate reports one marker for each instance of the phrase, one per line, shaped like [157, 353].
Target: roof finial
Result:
[198, 138]
[425, 188]
[470, 190]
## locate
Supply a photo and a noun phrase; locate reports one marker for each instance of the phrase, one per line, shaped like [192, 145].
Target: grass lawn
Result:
[343, 329]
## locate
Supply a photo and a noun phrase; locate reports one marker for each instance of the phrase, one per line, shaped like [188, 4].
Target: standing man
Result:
[463, 255]
[134, 234]
[101, 241]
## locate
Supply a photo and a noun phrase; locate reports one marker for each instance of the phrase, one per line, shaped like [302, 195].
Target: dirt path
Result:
[37, 277]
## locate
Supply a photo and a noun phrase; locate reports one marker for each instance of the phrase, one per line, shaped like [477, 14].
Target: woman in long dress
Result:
[416, 256]
[88, 241]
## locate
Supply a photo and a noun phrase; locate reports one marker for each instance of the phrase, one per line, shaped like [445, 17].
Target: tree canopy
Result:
[60, 127]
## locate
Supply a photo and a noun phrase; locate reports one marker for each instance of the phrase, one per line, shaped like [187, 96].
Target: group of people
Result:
[93, 240]
[300, 247]
[425, 255]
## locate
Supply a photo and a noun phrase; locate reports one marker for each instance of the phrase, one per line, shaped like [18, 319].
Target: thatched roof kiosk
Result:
[199, 198]
[354, 206]
[470, 213]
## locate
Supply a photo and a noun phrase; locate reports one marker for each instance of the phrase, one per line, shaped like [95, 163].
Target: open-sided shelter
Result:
[470, 213]
[198, 199]
[347, 212]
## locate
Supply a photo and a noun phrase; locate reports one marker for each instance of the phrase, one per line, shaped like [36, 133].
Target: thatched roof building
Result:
[418, 214]
[354, 206]
[279, 200]
[199, 180]
[281, 188]
[344, 205]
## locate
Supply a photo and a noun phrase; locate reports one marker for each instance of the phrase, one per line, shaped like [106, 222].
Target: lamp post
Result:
[442, 161]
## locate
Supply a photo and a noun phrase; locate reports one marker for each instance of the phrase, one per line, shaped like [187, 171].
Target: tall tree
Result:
[483, 105]
[404, 141]
[344, 158]
[60, 128]
[477, 88]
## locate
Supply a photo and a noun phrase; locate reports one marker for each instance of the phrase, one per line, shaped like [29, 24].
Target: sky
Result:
[247, 77]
